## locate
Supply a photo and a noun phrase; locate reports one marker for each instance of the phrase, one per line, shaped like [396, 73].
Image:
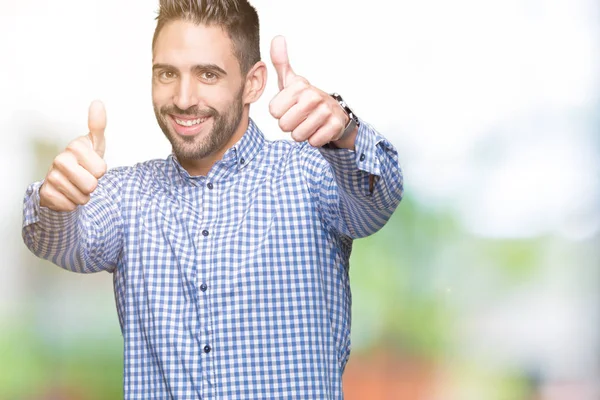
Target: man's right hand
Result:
[74, 173]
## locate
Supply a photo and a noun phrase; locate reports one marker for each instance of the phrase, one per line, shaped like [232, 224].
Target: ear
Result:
[256, 80]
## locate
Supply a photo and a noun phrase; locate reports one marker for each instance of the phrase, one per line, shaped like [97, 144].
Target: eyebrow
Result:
[196, 68]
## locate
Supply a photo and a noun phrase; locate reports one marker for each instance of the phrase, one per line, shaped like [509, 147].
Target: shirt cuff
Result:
[365, 157]
[34, 213]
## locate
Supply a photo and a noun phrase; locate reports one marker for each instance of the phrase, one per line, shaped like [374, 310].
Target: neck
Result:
[202, 167]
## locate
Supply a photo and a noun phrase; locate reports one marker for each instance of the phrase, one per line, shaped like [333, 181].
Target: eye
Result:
[166, 76]
[209, 76]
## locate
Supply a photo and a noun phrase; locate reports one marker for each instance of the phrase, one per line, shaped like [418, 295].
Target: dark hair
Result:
[237, 17]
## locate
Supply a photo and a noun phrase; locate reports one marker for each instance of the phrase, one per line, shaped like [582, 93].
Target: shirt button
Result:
[205, 233]
[203, 287]
[207, 349]
[362, 157]
[210, 186]
[242, 161]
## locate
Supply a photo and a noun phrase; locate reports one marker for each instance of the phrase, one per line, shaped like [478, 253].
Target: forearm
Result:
[369, 182]
[80, 240]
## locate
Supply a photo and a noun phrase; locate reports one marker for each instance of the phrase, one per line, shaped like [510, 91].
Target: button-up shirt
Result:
[233, 285]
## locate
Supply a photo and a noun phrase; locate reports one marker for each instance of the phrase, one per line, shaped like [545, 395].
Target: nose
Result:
[185, 95]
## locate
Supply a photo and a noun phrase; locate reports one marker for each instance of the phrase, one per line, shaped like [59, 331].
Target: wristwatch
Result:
[354, 122]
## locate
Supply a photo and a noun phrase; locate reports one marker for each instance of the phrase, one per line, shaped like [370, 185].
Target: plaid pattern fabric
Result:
[234, 285]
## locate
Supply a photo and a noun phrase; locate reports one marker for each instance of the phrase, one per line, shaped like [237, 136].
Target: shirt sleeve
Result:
[88, 239]
[357, 191]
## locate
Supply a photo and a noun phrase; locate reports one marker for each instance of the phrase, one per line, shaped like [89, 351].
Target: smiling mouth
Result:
[189, 122]
[187, 127]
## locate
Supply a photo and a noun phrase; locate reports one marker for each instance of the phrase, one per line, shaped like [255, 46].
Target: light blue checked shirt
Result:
[233, 285]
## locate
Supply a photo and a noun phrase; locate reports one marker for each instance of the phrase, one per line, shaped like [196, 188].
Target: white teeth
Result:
[189, 122]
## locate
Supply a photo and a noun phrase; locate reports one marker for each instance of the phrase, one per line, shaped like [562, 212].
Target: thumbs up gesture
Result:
[304, 110]
[74, 173]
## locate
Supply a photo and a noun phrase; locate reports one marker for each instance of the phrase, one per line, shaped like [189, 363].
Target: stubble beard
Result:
[200, 146]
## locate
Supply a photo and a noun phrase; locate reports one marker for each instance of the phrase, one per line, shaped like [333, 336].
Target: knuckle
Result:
[316, 97]
[89, 186]
[44, 187]
[296, 136]
[338, 126]
[302, 81]
[59, 161]
[53, 177]
[79, 146]
[274, 109]
[284, 125]
[311, 98]
[69, 206]
[302, 85]
[324, 109]
[313, 141]
[49, 199]
[74, 146]
[45, 195]
[84, 199]
[97, 168]
[102, 168]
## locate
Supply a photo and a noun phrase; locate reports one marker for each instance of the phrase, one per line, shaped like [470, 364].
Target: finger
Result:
[281, 61]
[54, 200]
[97, 125]
[307, 103]
[310, 125]
[89, 159]
[82, 179]
[323, 135]
[59, 186]
[288, 97]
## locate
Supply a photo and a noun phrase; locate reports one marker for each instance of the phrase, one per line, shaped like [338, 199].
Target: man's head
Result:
[206, 72]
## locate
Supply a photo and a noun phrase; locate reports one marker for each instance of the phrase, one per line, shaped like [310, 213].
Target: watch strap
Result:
[354, 121]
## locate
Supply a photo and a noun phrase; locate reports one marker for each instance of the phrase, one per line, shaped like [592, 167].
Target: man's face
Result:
[197, 88]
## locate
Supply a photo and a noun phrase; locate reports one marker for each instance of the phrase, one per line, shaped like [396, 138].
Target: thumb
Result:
[97, 125]
[281, 62]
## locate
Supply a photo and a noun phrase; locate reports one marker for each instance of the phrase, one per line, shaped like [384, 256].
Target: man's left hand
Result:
[304, 110]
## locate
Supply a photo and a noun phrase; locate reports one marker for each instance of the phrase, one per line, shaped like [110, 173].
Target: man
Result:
[230, 257]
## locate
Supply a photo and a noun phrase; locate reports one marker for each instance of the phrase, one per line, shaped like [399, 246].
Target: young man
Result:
[230, 257]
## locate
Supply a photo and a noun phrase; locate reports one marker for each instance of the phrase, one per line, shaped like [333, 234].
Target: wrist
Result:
[347, 138]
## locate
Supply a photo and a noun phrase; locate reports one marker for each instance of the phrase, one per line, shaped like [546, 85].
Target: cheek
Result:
[161, 94]
[223, 104]
[227, 98]
[225, 93]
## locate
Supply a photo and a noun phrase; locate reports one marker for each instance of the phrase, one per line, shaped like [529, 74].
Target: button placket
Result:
[206, 237]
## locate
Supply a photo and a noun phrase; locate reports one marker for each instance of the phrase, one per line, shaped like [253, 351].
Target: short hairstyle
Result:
[237, 18]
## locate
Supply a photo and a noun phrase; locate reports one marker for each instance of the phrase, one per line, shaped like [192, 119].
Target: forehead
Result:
[184, 44]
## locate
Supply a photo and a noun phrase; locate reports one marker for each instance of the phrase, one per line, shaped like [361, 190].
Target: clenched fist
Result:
[304, 110]
[74, 173]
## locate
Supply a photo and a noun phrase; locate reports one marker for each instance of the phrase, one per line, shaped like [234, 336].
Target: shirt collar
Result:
[239, 155]
[246, 149]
